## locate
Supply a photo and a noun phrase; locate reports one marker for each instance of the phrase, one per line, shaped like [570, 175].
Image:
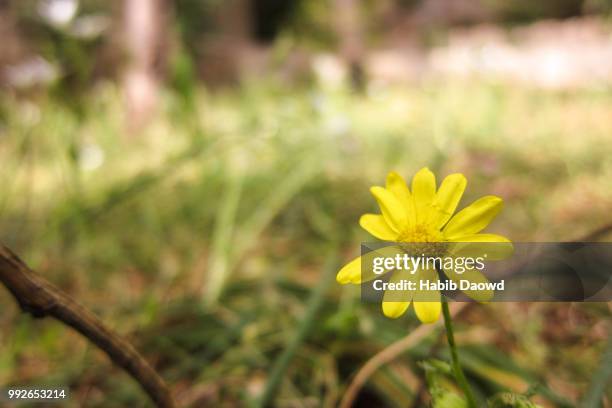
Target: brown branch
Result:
[596, 234]
[40, 298]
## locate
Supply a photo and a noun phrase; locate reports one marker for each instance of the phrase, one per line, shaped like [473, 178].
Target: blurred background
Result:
[194, 170]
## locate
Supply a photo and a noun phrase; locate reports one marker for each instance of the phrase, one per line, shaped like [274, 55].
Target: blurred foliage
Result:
[526, 10]
[249, 189]
[84, 42]
[195, 18]
[509, 400]
[205, 240]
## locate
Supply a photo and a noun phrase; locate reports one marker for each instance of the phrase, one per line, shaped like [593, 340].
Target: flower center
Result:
[422, 239]
[420, 233]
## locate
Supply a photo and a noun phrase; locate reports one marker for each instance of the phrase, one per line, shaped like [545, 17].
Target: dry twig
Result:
[37, 296]
[387, 355]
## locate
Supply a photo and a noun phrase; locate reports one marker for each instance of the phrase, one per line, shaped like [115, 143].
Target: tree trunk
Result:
[143, 32]
[350, 35]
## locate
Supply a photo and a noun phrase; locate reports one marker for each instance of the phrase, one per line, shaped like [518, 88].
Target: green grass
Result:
[202, 238]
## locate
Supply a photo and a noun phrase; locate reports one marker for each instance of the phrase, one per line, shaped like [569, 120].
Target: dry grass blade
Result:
[387, 355]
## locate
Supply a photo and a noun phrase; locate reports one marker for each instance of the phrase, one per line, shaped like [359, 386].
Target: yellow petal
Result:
[474, 218]
[494, 246]
[480, 238]
[350, 272]
[448, 197]
[427, 304]
[394, 310]
[424, 192]
[399, 296]
[427, 312]
[360, 269]
[376, 225]
[391, 207]
[473, 276]
[398, 186]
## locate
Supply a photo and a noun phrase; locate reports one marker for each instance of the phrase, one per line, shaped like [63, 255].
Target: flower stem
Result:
[457, 370]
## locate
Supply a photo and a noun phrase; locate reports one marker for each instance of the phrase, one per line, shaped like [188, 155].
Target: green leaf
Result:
[510, 400]
[435, 373]
[449, 399]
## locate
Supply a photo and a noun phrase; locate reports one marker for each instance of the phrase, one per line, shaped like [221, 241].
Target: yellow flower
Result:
[426, 215]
